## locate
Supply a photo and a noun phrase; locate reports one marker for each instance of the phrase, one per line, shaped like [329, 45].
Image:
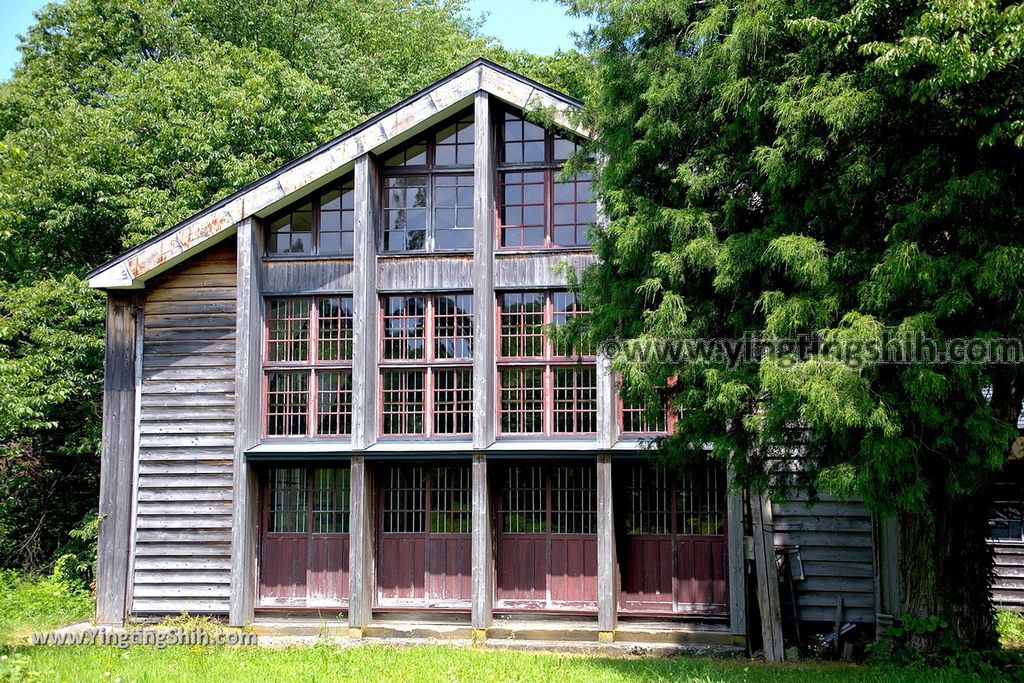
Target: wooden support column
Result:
[607, 574]
[364, 393]
[888, 606]
[364, 303]
[767, 576]
[485, 226]
[248, 425]
[361, 569]
[607, 406]
[117, 460]
[483, 544]
[737, 560]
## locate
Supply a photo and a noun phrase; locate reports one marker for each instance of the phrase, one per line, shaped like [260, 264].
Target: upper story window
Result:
[636, 418]
[322, 225]
[427, 202]
[537, 209]
[308, 367]
[546, 387]
[426, 359]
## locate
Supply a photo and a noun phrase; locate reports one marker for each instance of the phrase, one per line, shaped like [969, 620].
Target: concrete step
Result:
[418, 631]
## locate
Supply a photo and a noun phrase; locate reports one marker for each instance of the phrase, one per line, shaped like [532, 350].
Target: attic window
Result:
[427, 202]
[322, 226]
[537, 207]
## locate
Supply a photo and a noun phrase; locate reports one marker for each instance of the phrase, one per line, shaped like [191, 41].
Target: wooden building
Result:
[334, 390]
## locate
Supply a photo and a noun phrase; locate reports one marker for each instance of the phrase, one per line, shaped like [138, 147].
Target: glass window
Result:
[453, 212]
[522, 400]
[453, 326]
[404, 327]
[405, 213]
[289, 501]
[402, 402]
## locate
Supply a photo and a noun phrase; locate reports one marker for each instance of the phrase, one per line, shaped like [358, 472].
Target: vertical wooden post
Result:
[245, 519]
[736, 559]
[767, 577]
[607, 586]
[117, 460]
[364, 304]
[887, 574]
[483, 558]
[485, 224]
[364, 393]
[361, 569]
[607, 405]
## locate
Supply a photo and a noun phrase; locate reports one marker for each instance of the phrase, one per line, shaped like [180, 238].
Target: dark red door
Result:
[425, 549]
[547, 537]
[304, 540]
[673, 557]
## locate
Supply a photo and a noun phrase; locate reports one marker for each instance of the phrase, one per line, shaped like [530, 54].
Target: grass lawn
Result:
[37, 604]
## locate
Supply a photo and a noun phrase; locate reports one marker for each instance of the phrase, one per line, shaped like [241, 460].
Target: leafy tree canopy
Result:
[126, 116]
[840, 170]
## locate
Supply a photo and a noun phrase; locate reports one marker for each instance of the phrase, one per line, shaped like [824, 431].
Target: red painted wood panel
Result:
[574, 570]
[283, 565]
[701, 583]
[328, 568]
[647, 573]
[522, 568]
[401, 572]
[449, 568]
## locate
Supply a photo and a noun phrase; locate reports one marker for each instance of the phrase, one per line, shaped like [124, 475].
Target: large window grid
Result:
[426, 365]
[544, 387]
[636, 418]
[435, 499]
[539, 499]
[307, 367]
[691, 503]
[537, 208]
[322, 225]
[427, 202]
[302, 500]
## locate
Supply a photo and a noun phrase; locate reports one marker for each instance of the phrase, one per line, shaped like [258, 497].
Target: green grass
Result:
[419, 663]
[30, 604]
[1011, 630]
[33, 603]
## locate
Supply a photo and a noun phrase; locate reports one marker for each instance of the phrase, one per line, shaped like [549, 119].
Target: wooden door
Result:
[671, 545]
[547, 538]
[425, 547]
[304, 542]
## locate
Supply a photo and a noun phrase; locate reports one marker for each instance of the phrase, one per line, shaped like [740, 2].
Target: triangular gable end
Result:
[133, 268]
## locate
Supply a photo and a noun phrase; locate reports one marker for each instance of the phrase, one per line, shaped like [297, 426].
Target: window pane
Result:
[522, 324]
[453, 212]
[522, 209]
[522, 400]
[288, 501]
[524, 500]
[287, 403]
[451, 500]
[574, 211]
[453, 401]
[574, 499]
[334, 402]
[335, 328]
[288, 330]
[405, 213]
[405, 500]
[331, 500]
[453, 326]
[574, 400]
[404, 327]
[402, 401]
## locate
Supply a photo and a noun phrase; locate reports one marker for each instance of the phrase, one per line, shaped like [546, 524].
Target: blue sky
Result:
[537, 25]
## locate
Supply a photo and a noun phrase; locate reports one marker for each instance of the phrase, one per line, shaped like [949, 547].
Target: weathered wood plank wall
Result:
[836, 545]
[182, 552]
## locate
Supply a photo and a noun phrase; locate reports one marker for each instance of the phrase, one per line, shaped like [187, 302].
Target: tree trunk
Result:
[946, 568]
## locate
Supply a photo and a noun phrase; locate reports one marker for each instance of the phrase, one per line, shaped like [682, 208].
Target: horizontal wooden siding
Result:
[182, 546]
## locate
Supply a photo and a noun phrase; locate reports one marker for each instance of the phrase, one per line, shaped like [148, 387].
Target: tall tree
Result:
[843, 171]
[122, 118]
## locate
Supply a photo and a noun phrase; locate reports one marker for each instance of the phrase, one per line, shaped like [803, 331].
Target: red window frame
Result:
[524, 348]
[629, 411]
[322, 221]
[426, 161]
[441, 403]
[318, 378]
[530, 160]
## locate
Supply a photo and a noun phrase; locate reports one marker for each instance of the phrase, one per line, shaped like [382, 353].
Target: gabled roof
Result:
[131, 269]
